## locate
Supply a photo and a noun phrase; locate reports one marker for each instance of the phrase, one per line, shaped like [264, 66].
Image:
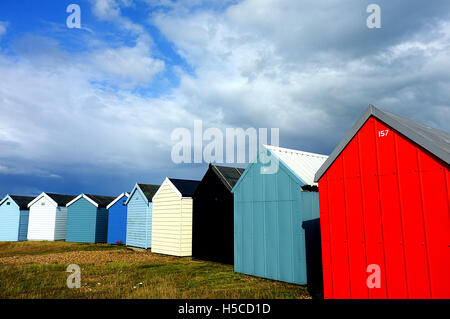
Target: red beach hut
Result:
[384, 211]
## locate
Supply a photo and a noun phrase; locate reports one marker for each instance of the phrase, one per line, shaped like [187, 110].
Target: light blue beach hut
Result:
[271, 202]
[139, 215]
[14, 214]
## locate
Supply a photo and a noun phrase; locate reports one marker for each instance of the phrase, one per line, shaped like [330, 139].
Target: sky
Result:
[92, 110]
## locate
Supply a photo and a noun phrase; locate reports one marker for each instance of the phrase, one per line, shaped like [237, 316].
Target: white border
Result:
[82, 196]
[168, 182]
[117, 199]
[43, 194]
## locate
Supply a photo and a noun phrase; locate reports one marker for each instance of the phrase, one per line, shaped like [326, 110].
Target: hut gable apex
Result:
[133, 191]
[171, 185]
[96, 200]
[434, 141]
[185, 188]
[21, 201]
[82, 196]
[6, 198]
[145, 194]
[37, 198]
[302, 165]
[228, 175]
[117, 199]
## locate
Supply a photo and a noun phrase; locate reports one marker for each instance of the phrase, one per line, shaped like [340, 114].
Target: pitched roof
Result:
[149, 190]
[101, 200]
[21, 201]
[434, 141]
[61, 199]
[302, 164]
[117, 199]
[228, 175]
[185, 186]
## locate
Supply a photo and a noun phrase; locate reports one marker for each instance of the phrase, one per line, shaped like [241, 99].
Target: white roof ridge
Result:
[294, 151]
[303, 164]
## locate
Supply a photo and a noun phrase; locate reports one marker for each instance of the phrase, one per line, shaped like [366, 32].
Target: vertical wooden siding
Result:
[269, 240]
[385, 201]
[139, 226]
[101, 225]
[117, 222]
[81, 222]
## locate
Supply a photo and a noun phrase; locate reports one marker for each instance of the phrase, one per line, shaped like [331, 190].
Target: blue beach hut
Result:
[14, 215]
[117, 220]
[87, 219]
[139, 215]
[271, 202]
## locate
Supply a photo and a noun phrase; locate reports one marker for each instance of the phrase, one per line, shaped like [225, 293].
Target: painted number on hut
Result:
[383, 133]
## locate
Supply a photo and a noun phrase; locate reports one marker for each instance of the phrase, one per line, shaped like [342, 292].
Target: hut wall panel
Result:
[166, 221]
[139, 227]
[238, 226]
[101, 225]
[436, 218]
[81, 222]
[355, 221]
[396, 213]
[9, 221]
[325, 238]
[61, 223]
[117, 222]
[41, 224]
[391, 214]
[23, 225]
[269, 240]
[186, 227]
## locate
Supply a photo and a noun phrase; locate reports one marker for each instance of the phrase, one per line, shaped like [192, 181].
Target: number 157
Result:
[383, 133]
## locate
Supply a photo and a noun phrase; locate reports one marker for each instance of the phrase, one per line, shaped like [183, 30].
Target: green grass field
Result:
[38, 270]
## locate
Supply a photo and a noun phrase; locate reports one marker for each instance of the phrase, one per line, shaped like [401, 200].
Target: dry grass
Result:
[37, 270]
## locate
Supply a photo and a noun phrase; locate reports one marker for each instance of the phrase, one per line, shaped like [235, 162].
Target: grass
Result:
[44, 247]
[38, 270]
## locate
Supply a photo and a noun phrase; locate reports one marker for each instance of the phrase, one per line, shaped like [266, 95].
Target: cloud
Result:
[110, 10]
[126, 66]
[3, 28]
[132, 65]
[309, 68]
[19, 170]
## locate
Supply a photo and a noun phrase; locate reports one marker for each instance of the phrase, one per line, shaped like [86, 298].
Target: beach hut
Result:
[384, 206]
[274, 196]
[48, 217]
[172, 217]
[212, 216]
[14, 217]
[87, 219]
[117, 219]
[139, 216]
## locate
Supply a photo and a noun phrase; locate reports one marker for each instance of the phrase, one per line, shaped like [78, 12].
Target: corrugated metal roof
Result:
[149, 190]
[228, 175]
[303, 164]
[434, 141]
